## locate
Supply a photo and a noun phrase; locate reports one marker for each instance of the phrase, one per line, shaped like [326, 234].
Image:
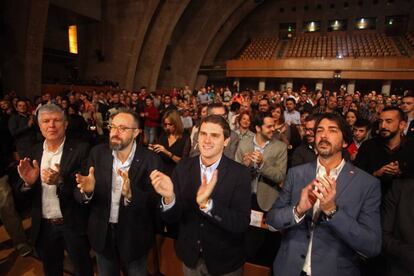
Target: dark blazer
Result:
[354, 230]
[74, 214]
[136, 221]
[220, 235]
[398, 228]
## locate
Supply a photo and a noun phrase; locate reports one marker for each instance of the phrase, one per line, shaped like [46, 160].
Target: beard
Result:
[327, 151]
[387, 134]
[118, 146]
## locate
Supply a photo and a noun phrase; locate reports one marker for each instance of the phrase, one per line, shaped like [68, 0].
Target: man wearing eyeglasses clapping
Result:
[122, 201]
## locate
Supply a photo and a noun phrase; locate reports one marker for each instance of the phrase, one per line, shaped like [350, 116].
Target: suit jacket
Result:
[217, 237]
[136, 220]
[75, 215]
[271, 173]
[353, 231]
[398, 228]
[303, 154]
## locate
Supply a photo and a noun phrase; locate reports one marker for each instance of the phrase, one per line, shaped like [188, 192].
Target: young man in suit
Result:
[123, 204]
[209, 196]
[328, 210]
[48, 173]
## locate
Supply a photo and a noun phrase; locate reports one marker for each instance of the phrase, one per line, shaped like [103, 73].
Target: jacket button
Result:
[201, 224]
[198, 242]
[303, 256]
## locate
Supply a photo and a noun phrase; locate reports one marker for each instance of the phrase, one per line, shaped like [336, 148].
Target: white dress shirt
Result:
[117, 182]
[50, 200]
[320, 172]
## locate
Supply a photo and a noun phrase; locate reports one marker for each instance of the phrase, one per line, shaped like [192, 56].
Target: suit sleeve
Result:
[363, 233]
[174, 213]
[276, 170]
[234, 217]
[362, 159]
[281, 215]
[392, 245]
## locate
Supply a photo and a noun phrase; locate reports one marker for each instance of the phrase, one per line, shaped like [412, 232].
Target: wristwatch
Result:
[331, 214]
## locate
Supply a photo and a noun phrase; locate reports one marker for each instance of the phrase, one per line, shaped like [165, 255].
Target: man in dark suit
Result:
[58, 221]
[328, 210]
[209, 195]
[123, 204]
[407, 106]
[398, 228]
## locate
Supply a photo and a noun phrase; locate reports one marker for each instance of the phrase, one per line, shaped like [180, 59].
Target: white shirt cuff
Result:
[297, 219]
[166, 207]
[208, 208]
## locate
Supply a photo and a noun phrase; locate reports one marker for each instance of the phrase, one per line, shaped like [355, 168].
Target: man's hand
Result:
[392, 168]
[307, 199]
[163, 186]
[28, 171]
[51, 176]
[257, 158]
[126, 184]
[326, 192]
[247, 159]
[86, 184]
[205, 189]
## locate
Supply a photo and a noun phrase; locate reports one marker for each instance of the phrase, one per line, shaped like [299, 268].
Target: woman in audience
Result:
[173, 144]
[244, 121]
[351, 117]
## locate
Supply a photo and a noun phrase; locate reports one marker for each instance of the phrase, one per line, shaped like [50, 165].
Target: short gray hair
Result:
[50, 108]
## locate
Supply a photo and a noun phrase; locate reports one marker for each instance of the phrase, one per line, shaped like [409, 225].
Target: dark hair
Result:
[258, 119]
[215, 105]
[291, 99]
[218, 120]
[401, 115]
[312, 117]
[352, 111]
[234, 106]
[340, 121]
[282, 109]
[363, 123]
[242, 114]
[127, 111]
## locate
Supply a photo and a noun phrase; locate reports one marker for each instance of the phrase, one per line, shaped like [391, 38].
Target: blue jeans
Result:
[111, 267]
[151, 134]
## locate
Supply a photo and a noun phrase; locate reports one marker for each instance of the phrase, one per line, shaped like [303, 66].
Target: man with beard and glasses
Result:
[328, 210]
[123, 204]
[389, 155]
[306, 152]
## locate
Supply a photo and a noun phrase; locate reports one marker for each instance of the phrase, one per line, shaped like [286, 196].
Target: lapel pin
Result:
[351, 172]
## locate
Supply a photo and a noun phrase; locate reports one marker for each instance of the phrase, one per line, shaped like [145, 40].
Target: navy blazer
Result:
[337, 245]
[221, 234]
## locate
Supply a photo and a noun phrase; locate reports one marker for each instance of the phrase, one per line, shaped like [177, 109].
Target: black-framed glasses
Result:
[121, 129]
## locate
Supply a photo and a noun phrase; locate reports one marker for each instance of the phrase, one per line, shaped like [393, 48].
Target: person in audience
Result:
[351, 116]
[48, 177]
[244, 122]
[173, 143]
[398, 228]
[209, 196]
[151, 117]
[267, 160]
[22, 128]
[122, 202]
[323, 225]
[360, 133]
[387, 156]
[306, 152]
[291, 115]
[407, 106]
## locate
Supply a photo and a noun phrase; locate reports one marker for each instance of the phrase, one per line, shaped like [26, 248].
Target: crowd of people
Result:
[329, 173]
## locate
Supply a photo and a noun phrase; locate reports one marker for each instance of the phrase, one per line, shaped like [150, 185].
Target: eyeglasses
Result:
[121, 129]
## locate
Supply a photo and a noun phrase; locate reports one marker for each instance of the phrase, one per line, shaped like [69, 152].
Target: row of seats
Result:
[331, 46]
[260, 48]
[360, 45]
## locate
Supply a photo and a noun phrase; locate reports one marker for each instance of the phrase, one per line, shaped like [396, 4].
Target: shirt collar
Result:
[130, 156]
[212, 167]
[59, 150]
[257, 145]
[333, 172]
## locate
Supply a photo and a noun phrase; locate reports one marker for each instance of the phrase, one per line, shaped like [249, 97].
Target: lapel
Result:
[309, 175]
[344, 178]
[66, 155]
[135, 165]
[107, 170]
[222, 169]
[195, 177]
